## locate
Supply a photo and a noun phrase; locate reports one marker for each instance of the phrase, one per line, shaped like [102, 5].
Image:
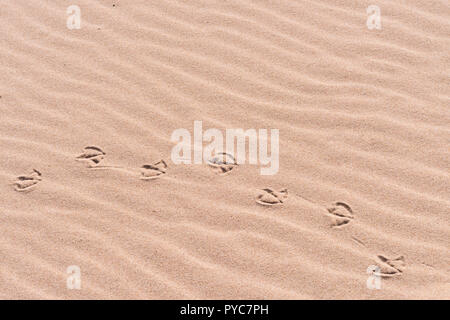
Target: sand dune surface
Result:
[87, 179]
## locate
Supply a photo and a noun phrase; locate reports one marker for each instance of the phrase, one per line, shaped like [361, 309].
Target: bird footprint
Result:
[390, 267]
[269, 197]
[340, 213]
[153, 171]
[92, 155]
[222, 163]
[27, 183]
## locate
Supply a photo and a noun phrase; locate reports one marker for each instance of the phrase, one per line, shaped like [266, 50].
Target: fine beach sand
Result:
[364, 122]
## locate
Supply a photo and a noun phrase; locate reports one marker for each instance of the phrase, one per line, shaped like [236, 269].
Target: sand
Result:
[363, 117]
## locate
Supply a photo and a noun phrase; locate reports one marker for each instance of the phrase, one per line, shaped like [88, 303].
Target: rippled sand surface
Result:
[363, 117]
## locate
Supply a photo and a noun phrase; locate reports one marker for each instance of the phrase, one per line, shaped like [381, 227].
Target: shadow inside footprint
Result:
[92, 155]
[153, 171]
[341, 214]
[27, 182]
[269, 197]
[390, 267]
[222, 163]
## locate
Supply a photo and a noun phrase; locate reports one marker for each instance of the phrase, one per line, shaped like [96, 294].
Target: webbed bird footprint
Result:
[26, 183]
[92, 155]
[269, 197]
[390, 267]
[153, 171]
[222, 163]
[340, 213]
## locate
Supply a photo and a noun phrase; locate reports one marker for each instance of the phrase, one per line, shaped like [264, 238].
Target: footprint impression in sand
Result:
[390, 267]
[340, 213]
[153, 171]
[27, 183]
[222, 163]
[92, 156]
[269, 197]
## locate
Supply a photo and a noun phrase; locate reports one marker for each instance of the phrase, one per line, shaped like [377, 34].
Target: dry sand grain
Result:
[364, 149]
